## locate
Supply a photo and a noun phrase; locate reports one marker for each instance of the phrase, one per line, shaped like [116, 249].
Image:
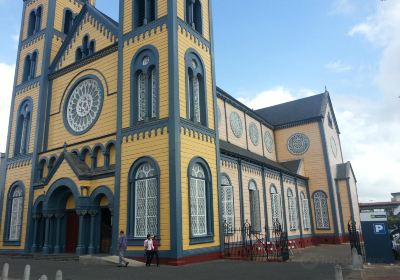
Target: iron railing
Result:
[355, 238]
[246, 243]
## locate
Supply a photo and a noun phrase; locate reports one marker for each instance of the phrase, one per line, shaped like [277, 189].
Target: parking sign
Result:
[379, 228]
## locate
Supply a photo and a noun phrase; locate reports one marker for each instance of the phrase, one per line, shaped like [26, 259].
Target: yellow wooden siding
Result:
[106, 123]
[96, 31]
[206, 23]
[345, 201]
[160, 41]
[155, 147]
[33, 5]
[55, 47]
[193, 147]
[185, 43]
[313, 161]
[22, 174]
[354, 199]
[162, 8]
[128, 15]
[73, 5]
[34, 94]
[29, 49]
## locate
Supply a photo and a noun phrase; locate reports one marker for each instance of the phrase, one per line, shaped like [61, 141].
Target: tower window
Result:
[88, 48]
[68, 21]
[144, 12]
[145, 86]
[196, 95]
[292, 210]
[194, 15]
[35, 21]
[30, 63]
[23, 128]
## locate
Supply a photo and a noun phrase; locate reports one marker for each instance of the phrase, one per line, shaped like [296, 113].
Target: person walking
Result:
[148, 247]
[155, 250]
[122, 245]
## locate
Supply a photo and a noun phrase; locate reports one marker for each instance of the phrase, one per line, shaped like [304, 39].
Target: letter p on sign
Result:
[379, 228]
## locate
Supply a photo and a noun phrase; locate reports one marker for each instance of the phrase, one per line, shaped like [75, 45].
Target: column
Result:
[36, 219]
[57, 247]
[80, 249]
[46, 248]
[93, 214]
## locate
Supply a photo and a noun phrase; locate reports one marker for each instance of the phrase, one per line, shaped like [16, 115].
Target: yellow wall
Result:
[29, 49]
[192, 147]
[106, 123]
[73, 5]
[156, 147]
[17, 174]
[158, 39]
[313, 161]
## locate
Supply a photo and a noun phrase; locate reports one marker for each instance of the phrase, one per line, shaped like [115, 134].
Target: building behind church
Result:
[120, 126]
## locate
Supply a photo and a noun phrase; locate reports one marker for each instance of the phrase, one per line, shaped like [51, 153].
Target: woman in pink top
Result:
[148, 247]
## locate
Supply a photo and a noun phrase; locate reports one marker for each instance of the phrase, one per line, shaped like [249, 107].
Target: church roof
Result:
[304, 109]
[344, 170]
[293, 165]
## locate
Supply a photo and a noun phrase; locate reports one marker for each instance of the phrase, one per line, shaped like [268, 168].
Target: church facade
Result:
[120, 126]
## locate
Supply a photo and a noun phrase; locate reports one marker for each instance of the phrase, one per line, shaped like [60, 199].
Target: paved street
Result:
[231, 270]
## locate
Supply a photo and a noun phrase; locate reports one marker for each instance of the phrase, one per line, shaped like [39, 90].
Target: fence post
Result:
[27, 272]
[4, 273]
[59, 275]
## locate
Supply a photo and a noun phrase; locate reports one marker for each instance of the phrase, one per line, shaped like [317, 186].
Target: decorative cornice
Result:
[251, 168]
[195, 36]
[272, 174]
[26, 86]
[197, 131]
[229, 162]
[145, 31]
[33, 39]
[146, 130]
[23, 160]
[288, 179]
[104, 52]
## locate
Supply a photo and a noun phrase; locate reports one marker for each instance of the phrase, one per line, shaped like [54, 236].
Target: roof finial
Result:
[65, 146]
[326, 90]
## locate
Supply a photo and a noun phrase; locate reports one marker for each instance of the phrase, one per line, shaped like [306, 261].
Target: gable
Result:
[99, 29]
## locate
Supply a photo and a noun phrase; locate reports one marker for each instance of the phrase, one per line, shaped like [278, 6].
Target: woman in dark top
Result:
[155, 250]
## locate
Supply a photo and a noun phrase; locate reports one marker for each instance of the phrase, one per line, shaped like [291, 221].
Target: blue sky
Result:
[275, 51]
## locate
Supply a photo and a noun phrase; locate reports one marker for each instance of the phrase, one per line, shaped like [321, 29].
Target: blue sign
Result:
[379, 228]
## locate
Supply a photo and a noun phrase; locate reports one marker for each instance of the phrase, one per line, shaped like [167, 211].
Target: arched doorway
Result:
[101, 201]
[72, 226]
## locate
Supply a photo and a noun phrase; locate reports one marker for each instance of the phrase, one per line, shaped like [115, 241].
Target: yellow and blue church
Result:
[120, 126]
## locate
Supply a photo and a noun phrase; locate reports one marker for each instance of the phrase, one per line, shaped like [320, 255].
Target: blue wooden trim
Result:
[63, 182]
[264, 187]
[284, 220]
[350, 199]
[174, 134]
[136, 67]
[76, 83]
[241, 192]
[7, 242]
[329, 175]
[340, 208]
[131, 198]
[300, 211]
[157, 25]
[312, 221]
[209, 202]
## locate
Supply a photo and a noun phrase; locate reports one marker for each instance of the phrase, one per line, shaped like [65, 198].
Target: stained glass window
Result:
[276, 207]
[198, 201]
[154, 94]
[142, 96]
[228, 212]
[16, 201]
[292, 210]
[146, 201]
[305, 212]
[321, 210]
[196, 99]
[255, 206]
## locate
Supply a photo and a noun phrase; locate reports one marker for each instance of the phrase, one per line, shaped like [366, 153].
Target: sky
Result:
[276, 51]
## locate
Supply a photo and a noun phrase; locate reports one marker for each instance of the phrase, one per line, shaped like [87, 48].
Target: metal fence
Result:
[355, 238]
[267, 245]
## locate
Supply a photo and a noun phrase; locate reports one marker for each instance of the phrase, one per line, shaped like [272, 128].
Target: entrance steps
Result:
[106, 260]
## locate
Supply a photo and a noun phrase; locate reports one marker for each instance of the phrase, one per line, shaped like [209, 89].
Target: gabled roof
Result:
[293, 165]
[110, 26]
[304, 109]
[344, 170]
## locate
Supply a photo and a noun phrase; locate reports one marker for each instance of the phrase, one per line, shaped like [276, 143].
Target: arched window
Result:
[38, 24]
[292, 210]
[144, 12]
[228, 210]
[52, 162]
[200, 201]
[305, 211]
[194, 15]
[68, 21]
[33, 65]
[78, 54]
[109, 155]
[26, 76]
[196, 94]
[23, 128]
[276, 206]
[144, 201]
[145, 86]
[97, 157]
[321, 210]
[32, 23]
[87, 48]
[15, 206]
[42, 169]
[254, 206]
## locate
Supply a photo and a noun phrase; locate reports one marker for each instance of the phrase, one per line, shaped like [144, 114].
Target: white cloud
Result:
[268, 98]
[338, 66]
[6, 83]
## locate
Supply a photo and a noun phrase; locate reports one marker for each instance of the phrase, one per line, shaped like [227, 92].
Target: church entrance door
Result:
[106, 231]
[72, 232]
